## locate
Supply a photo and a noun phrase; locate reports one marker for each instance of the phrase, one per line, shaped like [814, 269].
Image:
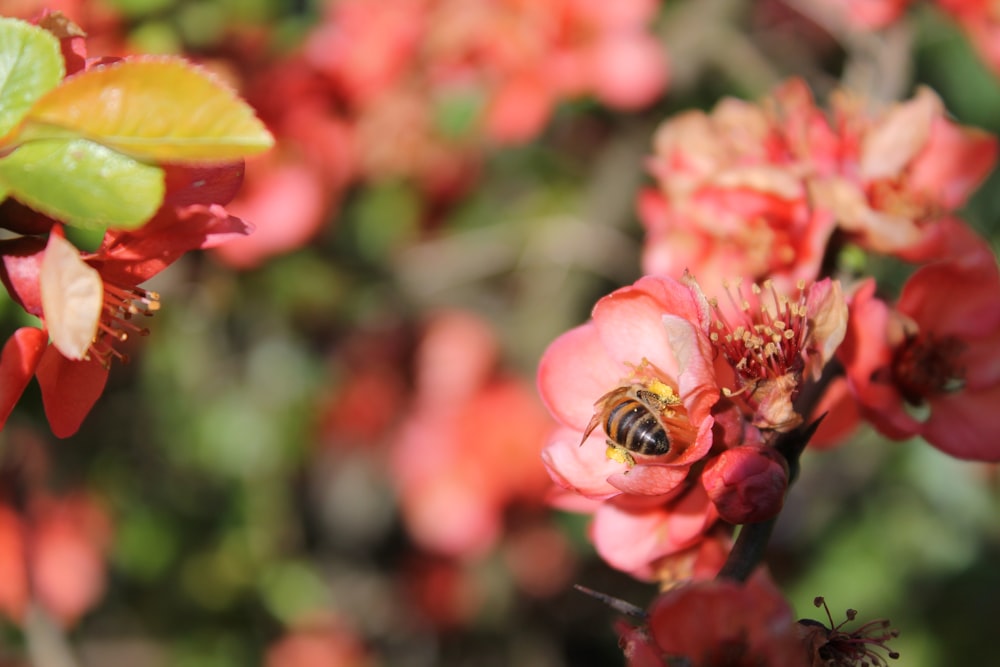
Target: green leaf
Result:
[31, 65]
[153, 108]
[83, 183]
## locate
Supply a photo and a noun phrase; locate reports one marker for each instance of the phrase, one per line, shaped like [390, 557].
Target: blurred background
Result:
[327, 451]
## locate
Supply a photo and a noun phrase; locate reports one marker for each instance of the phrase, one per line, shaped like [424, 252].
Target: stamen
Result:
[116, 324]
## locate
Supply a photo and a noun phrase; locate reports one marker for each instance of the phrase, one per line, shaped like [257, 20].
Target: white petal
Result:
[72, 296]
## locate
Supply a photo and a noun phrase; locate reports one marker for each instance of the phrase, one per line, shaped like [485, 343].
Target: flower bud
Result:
[747, 484]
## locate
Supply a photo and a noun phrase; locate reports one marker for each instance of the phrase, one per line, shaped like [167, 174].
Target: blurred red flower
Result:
[718, 623]
[54, 556]
[469, 447]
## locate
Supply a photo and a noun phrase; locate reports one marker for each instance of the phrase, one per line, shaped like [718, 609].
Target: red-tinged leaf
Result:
[69, 390]
[30, 65]
[18, 362]
[189, 184]
[158, 109]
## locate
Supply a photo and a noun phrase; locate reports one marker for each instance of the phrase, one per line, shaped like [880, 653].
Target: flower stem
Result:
[748, 551]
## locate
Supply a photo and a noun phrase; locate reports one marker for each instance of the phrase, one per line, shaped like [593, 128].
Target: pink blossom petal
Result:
[20, 357]
[629, 70]
[652, 479]
[519, 109]
[900, 136]
[574, 373]
[583, 468]
[69, 390]
[953, 163]
[696, 380]
[632, 541]
[630, 322]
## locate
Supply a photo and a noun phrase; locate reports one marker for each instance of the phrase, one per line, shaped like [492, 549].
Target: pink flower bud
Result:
[747, 484]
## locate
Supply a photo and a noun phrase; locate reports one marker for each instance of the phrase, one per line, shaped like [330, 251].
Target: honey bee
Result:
[635, 418]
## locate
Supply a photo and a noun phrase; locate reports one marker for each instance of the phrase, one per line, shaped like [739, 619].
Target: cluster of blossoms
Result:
[683, 415]
[417, 89]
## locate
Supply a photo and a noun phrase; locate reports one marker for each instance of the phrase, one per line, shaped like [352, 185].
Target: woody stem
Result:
[751, 543]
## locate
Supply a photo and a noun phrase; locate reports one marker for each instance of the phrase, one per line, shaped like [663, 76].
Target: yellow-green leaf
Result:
[158, 109]
[82, 183]
[31, 64]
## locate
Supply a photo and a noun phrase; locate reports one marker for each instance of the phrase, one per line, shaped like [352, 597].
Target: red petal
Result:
[966, 425]
[69, 390]
[20, 266]
[130, 258]
[18, 361]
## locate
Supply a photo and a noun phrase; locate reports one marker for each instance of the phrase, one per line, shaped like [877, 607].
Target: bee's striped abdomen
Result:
[632, 425]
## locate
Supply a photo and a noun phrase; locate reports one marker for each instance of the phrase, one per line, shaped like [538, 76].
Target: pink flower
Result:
[732, 197]
[904, 171]
[663, 453]
[642, 336]
[60, 548]
[469, 447]
[772, 342]
[935, 352]
[645, 362]
[322, 641]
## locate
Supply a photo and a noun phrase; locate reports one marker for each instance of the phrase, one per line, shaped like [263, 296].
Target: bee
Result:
[633, 417]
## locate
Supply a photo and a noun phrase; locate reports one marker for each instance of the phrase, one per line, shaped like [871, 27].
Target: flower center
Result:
[121, 304]
[769, 332]
[925, 366]
[896, 198]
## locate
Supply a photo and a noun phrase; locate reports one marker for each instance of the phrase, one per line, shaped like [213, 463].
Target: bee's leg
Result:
[618, 453]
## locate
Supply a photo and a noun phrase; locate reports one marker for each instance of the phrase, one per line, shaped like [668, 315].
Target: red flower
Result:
[832, 646]
[718, 623]
[88, 301]
[936, 351]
